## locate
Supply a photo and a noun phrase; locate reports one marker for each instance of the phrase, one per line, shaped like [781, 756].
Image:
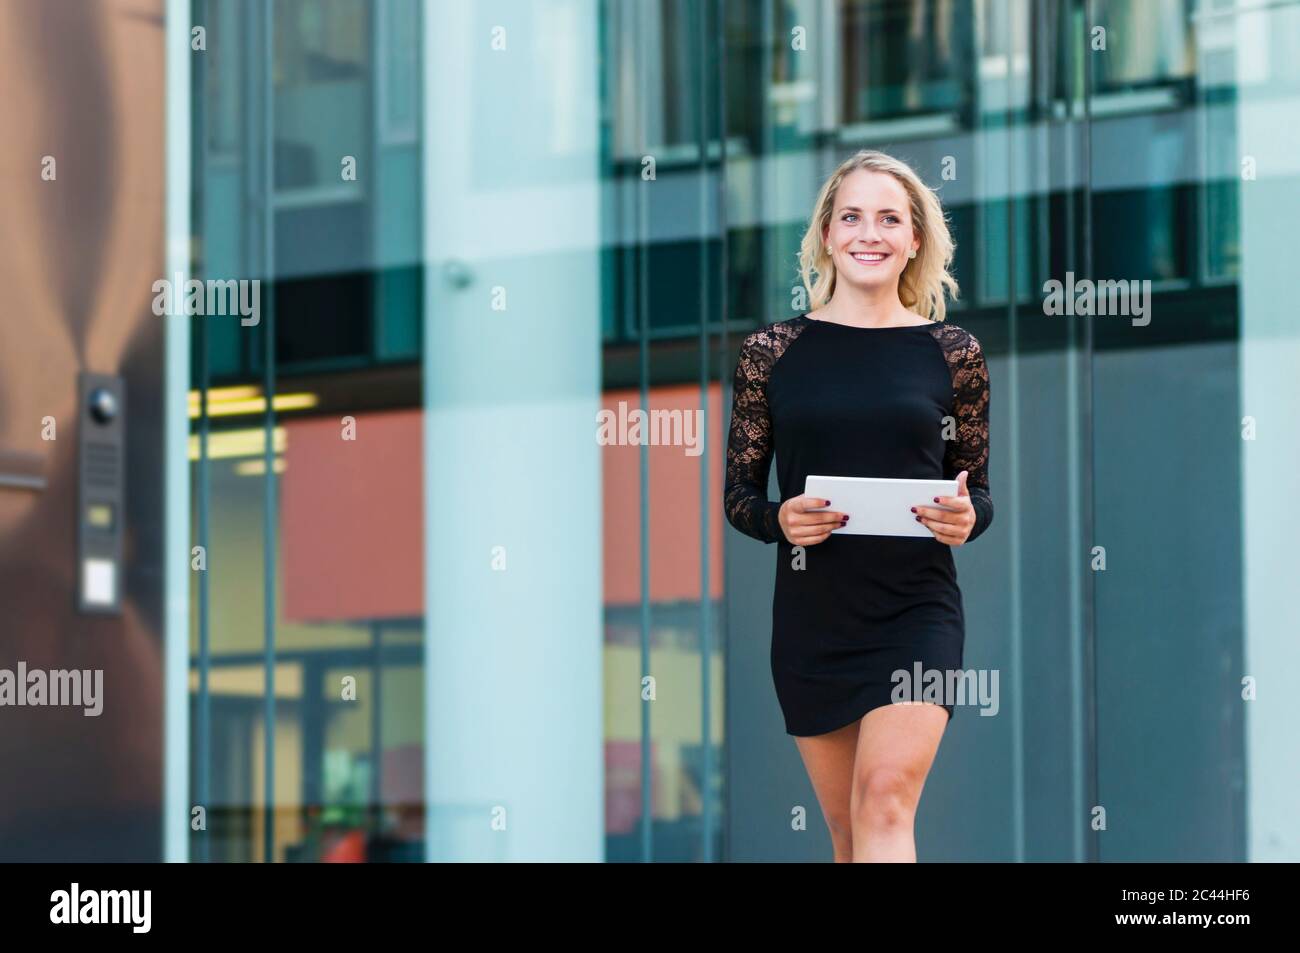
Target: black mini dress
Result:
[852, 611]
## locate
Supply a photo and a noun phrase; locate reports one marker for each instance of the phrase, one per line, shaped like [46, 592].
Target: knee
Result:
[884, 797]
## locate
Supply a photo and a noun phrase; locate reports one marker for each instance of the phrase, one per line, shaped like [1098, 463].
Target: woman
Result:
[872, 383]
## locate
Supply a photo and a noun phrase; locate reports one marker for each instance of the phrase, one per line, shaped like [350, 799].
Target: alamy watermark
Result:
[76, 688]
[667, 428]
[78, 906]
[214, 296]
[1105, 297]
[977, 687]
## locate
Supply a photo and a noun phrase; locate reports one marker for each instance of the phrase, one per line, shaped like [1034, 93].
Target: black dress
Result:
[836, 400]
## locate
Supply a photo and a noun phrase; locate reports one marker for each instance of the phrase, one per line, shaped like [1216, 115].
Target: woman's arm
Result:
[969, 451]
[749, 446]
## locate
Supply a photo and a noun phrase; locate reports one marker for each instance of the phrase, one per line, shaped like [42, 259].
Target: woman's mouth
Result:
[869, 257]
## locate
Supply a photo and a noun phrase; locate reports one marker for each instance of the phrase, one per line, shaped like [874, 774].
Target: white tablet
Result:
[877, 506]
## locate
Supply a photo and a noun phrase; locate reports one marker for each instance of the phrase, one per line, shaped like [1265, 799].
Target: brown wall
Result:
[82, 82]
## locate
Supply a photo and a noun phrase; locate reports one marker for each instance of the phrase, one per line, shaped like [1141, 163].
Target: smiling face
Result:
[871, 230]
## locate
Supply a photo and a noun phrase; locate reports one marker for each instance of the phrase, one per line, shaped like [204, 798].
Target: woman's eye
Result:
[891, 219]
[849, 216]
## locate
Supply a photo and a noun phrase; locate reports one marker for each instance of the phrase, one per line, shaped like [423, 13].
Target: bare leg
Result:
[896, 747]
[829, 759]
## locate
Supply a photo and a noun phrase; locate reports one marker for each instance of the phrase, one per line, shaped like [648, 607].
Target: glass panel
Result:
[322, 78]
[1265, 177]
[1193, 614]
[512, 483]
[497, 638]
[398, 289]
[329, 542]
[229, 615]
[958, 90]
[904, 58]
[349, 608]
[1165, 56]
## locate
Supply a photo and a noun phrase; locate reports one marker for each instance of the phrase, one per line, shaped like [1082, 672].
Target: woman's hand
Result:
[803, 525]
[952, 528]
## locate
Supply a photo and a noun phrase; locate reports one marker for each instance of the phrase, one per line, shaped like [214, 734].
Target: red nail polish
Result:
[914, 509]
[918, 519]
[936, 499]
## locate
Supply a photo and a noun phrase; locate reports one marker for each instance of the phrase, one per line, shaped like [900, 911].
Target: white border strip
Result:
[176, 468]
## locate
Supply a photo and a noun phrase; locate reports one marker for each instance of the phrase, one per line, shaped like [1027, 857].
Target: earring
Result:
[911, 253]
[828, 249]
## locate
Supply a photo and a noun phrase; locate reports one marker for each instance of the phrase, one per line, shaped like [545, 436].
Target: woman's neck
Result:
[850, 305]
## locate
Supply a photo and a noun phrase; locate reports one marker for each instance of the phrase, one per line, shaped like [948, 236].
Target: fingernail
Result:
[936, 499]
[914, 509]
[843, 521]
[918, 519]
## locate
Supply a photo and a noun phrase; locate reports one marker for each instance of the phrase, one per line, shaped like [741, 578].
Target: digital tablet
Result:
[877, 506]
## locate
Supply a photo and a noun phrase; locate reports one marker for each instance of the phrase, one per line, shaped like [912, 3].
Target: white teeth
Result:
[869, 256]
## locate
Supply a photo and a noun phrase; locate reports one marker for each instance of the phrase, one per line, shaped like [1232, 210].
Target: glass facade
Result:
[443, 617]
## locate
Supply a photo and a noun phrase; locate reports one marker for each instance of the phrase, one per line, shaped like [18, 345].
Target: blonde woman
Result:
[872, 382]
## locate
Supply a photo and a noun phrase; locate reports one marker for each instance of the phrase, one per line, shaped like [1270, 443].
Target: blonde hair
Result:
[925, 278]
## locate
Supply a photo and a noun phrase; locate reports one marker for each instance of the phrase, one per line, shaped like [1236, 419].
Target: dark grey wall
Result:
[765, 778]
[1171, 732]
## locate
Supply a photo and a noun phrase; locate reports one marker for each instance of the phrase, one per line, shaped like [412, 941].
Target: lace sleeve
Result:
[749, 444]
[969, 451]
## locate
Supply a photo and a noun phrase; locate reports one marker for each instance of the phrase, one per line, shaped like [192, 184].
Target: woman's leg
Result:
[896, 746]
[828, 759]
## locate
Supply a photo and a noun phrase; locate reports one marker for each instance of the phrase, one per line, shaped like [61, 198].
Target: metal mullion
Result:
[203, 757]
[643, 374]
[719, 35]
[1087, 432]
[706, 604]
[269, 502]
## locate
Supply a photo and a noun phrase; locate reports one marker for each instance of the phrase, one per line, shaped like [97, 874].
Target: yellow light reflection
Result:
[257, 467]
[234, 401]
[217, 394]
[238, 443]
